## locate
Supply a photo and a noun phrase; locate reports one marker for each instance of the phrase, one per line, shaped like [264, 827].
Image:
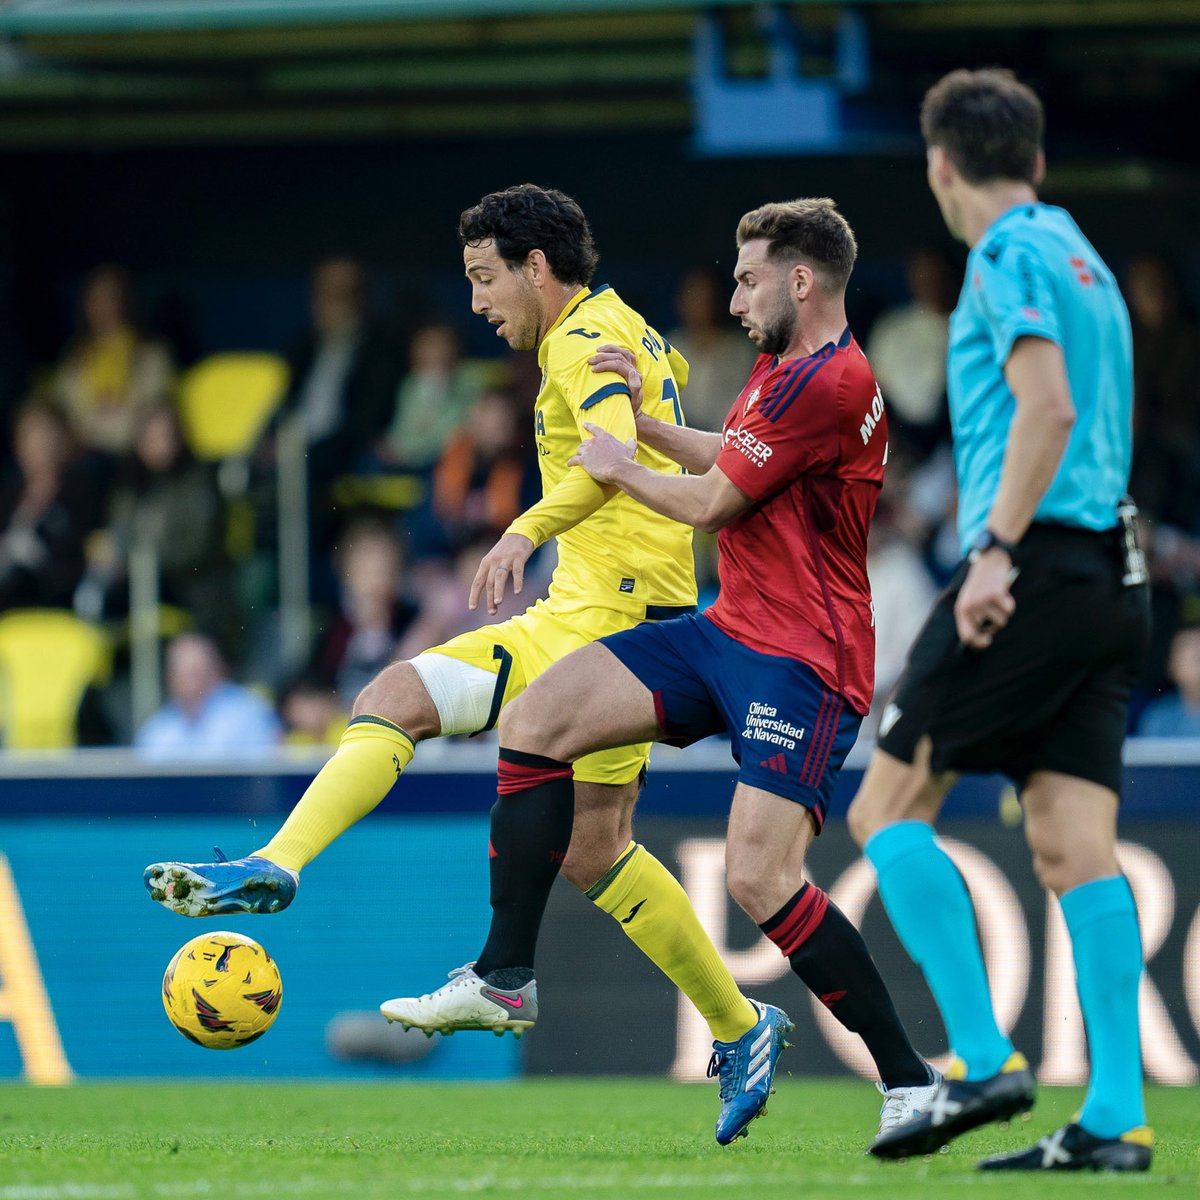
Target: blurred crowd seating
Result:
[416, 459]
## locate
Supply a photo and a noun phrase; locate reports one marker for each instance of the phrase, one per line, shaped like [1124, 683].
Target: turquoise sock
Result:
[1107, 944]
[932, 913]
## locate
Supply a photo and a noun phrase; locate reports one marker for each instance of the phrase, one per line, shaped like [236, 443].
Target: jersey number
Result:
[671, 392]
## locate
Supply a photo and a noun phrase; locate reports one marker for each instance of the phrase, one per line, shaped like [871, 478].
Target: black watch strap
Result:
[987, 540]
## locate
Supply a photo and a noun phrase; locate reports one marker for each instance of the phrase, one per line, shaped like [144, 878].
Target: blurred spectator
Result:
[1178, 715]
[719, 353]
[1174, 560]
[16, 352]
[1166, 369]
[343, 373]
[168, 501]
[907, 350]
[902, 590]
[443, 589]
[47, 508]
[312, 714]
[208, 718]
[432, 401]
[928, 514]
[110, 372]
[373, 615]
[481, 482]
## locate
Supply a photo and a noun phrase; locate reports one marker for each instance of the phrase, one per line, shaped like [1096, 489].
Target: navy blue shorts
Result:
[790, 733]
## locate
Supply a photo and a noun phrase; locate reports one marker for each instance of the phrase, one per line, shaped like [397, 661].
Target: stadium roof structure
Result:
[104, 73]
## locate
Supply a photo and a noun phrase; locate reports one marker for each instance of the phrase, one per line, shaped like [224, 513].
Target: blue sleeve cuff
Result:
[609, 389]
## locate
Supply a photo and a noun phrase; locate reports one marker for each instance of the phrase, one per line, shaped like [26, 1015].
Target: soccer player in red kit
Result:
[784, 660]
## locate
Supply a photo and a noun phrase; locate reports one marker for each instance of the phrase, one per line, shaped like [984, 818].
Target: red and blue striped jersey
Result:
[806, 441]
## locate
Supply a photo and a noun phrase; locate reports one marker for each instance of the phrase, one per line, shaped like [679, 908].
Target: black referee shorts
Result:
[1052, 691]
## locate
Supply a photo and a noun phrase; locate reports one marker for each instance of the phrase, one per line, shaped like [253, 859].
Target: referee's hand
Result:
[504, 561]
[985, 601]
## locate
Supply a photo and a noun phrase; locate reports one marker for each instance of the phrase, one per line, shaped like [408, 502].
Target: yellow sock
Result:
[366, 764]
[654, 910]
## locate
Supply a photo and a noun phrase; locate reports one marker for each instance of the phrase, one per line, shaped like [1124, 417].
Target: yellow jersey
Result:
[612, 552]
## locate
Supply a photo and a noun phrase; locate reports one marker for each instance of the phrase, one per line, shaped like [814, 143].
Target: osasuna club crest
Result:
[750, 401]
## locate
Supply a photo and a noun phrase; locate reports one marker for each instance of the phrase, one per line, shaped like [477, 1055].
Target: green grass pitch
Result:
[574, 1139]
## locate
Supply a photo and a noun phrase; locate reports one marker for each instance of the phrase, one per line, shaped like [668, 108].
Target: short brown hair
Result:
[988, 122]
[812, 230]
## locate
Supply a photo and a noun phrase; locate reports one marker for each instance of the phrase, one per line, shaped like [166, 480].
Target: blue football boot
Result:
[243, 885]
[746, 1069]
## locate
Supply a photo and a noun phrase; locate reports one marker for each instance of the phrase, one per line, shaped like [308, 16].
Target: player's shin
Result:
[1107, 948]
[368, 761]
[833, 961]
[530, 836]
[655, 912]
[932, 913]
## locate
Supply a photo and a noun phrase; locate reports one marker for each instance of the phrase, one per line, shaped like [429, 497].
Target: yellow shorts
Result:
[517, 651]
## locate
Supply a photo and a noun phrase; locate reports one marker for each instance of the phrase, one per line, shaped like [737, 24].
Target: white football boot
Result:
[467, 1002]
[901, 1104]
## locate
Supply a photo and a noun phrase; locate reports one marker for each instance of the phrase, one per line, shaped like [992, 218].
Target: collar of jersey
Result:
[570, 311]
[1007, 215]
[840, 344]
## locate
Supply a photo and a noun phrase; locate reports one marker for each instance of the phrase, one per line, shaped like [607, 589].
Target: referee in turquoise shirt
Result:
[1026, 663]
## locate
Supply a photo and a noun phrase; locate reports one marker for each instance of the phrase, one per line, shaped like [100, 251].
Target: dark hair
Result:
[988, 122]
[812, 230]
[527, 217]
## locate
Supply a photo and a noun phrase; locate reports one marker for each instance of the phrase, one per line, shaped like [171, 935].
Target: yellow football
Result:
[222, 990]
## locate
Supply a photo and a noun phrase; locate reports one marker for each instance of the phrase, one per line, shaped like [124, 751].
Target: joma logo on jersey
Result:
[755, 449]
[872, 419]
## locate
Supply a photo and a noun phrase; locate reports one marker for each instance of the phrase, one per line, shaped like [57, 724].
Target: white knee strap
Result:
[461, 693]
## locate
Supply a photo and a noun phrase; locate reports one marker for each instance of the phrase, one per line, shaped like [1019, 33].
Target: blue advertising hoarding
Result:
[402, 898]
[393, 908]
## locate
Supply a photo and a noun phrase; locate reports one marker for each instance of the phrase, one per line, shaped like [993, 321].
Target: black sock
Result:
[833, 961]
[531, 831]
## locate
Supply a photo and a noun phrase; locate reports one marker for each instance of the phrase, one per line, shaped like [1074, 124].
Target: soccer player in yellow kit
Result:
[529, 257]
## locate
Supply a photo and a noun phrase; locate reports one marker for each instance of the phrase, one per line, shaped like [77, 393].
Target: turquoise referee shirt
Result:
[1033, 273]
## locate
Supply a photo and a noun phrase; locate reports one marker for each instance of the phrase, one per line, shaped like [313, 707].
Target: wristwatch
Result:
[986, 541]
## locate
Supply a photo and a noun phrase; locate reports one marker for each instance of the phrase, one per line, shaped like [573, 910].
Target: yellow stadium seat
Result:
[394, 492]
[48, 658]
[225, 400]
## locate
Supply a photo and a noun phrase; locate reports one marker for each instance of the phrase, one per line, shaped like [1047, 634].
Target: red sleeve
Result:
[790, 429]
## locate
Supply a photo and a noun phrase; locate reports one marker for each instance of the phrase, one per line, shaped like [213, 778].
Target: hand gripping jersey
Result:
[807, 442]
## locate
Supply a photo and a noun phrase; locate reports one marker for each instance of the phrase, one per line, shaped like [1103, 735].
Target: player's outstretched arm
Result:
[573, 499]
[709, 501]
[693, 449]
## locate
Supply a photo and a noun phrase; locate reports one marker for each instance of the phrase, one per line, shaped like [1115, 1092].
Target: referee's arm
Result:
[1037, 376]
